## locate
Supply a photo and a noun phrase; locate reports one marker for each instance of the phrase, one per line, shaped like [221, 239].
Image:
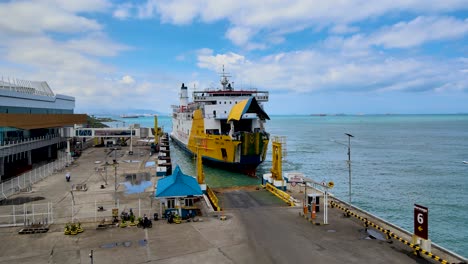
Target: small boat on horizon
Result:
[130, 116]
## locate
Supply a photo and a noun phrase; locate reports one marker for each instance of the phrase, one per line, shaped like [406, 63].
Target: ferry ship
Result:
[226, 125]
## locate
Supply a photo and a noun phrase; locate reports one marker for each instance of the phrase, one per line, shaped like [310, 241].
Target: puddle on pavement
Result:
[131, 161]
[112, 245]
[150, 164]
[137, 182]
[127, 244]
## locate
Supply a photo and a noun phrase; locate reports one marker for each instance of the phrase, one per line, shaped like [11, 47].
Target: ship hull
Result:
[247, 164]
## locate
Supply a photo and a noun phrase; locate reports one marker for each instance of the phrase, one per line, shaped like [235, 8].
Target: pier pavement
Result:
[258, 228]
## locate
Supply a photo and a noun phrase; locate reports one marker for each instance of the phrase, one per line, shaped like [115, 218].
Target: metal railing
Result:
[25, 86]
[213, 198]
[25, 181]
[26, 215]
[89, 212]
[6, 142]
[286, 197]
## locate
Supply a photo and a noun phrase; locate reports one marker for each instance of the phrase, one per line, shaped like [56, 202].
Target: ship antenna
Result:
[224, 79]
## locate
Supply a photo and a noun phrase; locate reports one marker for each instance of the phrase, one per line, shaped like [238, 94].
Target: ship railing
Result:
[260, 98]
[185, 109]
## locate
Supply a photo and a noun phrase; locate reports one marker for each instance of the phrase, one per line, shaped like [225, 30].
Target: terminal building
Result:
[34, 125]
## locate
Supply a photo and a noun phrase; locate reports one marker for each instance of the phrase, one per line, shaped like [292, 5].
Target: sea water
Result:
[396, 161]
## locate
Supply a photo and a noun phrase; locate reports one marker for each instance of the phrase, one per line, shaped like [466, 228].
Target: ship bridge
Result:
[213, 95]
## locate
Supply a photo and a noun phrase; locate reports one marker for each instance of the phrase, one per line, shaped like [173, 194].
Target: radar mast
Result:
[224, 81]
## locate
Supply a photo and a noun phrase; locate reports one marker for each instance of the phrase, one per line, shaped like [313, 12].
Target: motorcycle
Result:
[144, 222]
[67, 176]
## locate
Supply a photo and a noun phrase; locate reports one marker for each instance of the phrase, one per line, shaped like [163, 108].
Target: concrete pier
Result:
[259, 228]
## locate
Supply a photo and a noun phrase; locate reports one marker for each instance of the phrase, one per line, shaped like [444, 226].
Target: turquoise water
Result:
[397, 161]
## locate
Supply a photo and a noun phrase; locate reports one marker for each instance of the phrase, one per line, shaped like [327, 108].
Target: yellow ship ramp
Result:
[214, 200]
[280, 194]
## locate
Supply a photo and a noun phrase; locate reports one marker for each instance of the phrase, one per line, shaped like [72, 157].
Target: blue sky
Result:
[389, 56]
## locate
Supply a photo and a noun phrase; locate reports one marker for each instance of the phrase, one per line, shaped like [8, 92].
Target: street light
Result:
[91, 257]
[349, 163]
[131, 139]
[115, 164]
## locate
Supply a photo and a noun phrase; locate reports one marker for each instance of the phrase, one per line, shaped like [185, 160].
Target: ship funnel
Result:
[183, 95]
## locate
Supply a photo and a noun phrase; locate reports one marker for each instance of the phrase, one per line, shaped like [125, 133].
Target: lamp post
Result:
[115, 164]
[131, 140]
[349, 163]
[91, 257]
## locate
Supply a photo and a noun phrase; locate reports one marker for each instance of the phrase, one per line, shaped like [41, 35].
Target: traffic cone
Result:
[312, 214]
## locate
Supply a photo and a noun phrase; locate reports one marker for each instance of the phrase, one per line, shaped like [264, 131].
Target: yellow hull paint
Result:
[211, 146]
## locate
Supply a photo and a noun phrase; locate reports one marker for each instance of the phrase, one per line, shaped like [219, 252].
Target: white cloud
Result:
[239, 35]
[146, 10]
[311, 70]
[51, 55]
[71, 64]
[419, 31]
[127, 79]
[282, 17]
[35, 17]
[123, 11]
[81, 5]
[97, 44]
[216, 62]
[179, 12]
[343, 29]
[403, 34]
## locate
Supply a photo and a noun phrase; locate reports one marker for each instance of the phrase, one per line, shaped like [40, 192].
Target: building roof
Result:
[178, 185]
[247, 106]
[27, 87]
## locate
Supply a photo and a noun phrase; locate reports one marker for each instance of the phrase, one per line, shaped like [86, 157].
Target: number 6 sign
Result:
[420, 221]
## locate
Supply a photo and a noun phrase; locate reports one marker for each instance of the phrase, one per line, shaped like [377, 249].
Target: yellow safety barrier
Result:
[388, 233]
[213, 198]
[280, 194]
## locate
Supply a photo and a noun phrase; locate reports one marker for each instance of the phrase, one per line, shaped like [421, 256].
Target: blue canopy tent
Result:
[175, 188]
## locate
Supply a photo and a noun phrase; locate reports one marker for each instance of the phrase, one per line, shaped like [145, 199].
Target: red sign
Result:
[420, 221]
[295, 178]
